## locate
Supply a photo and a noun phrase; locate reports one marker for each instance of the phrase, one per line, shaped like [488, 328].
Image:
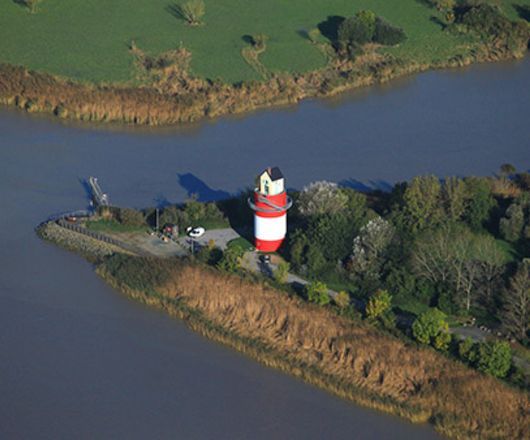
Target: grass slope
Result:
[88, 40]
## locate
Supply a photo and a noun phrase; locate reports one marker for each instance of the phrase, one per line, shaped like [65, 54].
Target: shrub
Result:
[358, 29]
[191, 11]
[282, 272]
[468, 351]
[387, 34]
[342, 299]
[379, 309]
[231, 259]
[431, 328]
[495, 358]
[317, 292]
[31, 5]
[131, 217]
[259, 41]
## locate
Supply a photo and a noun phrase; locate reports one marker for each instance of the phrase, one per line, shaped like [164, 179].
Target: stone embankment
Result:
[91, 245]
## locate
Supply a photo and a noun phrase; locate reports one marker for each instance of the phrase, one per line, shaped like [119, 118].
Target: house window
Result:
[266, 187]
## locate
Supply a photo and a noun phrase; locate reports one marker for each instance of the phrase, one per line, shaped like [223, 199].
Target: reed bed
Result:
[350, 359]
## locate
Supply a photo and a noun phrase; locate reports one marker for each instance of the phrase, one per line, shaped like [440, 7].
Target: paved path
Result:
[221, 237]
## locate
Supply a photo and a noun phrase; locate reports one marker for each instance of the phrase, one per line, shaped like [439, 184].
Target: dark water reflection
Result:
[78, 360]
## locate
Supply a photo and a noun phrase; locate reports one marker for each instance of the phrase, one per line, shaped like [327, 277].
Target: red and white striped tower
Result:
[270, 204]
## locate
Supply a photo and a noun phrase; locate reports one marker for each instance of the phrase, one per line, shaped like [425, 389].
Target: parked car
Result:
[195, 232]
[265, 258]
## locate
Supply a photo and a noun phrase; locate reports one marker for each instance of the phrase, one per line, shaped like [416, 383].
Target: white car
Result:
[195, 232]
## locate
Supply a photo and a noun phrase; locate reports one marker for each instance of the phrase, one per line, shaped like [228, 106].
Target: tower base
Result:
[268, 245]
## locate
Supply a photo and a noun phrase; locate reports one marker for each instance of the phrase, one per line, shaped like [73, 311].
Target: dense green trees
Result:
[192, 213]
[365, 27]
[491, 357]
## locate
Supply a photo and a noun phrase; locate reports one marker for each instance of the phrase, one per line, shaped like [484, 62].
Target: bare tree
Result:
[454, 256]
[516, 313]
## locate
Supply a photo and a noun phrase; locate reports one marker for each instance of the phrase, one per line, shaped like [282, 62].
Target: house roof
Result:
[274, 173]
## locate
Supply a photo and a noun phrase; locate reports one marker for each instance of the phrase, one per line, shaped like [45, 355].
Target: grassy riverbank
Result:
[141, 64]
[350, 359]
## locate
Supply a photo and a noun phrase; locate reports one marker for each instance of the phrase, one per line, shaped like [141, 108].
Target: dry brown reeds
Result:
[353, 360]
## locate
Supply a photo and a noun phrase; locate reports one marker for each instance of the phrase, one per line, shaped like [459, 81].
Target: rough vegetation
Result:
[349, 358]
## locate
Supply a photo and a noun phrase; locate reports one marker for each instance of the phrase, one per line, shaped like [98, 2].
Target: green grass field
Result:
[112, 226]
[88, 40]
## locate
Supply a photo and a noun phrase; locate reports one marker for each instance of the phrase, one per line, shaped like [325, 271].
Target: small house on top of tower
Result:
[270, 182]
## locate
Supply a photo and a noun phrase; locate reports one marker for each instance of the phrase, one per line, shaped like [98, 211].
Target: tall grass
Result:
[352, 360]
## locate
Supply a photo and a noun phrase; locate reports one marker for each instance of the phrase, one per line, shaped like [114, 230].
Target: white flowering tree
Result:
[369, 246]
[321, 198]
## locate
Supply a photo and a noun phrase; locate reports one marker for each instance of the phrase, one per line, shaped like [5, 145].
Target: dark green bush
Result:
[387, 34]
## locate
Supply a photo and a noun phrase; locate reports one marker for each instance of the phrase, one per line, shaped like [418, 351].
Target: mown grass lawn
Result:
[112, 226]
[88, 40]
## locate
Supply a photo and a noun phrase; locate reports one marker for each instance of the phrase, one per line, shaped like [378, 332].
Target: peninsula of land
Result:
[181, 62]
[387, 299]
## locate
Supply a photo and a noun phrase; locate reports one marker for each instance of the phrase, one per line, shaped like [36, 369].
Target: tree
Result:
[454, 198]
[387, 34]
[516, 311]
[378, 304]
[191, 11]
[315, 260]
[443, 5]
[495, 358]
[507, 170]
[332, 234]
[317, 292]
[432, 328]
[131, 217]
[511, 226]
[453, 257]
[369, 247]
[358, 29]
[342, 299]
[282, 272]
[321, 198]
[297, 248]
[422, 203]
[480, 202]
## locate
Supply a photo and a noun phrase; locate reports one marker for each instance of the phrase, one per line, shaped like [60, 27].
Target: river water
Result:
[78, 360]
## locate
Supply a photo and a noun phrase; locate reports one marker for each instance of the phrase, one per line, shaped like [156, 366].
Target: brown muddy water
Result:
[78, 360]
